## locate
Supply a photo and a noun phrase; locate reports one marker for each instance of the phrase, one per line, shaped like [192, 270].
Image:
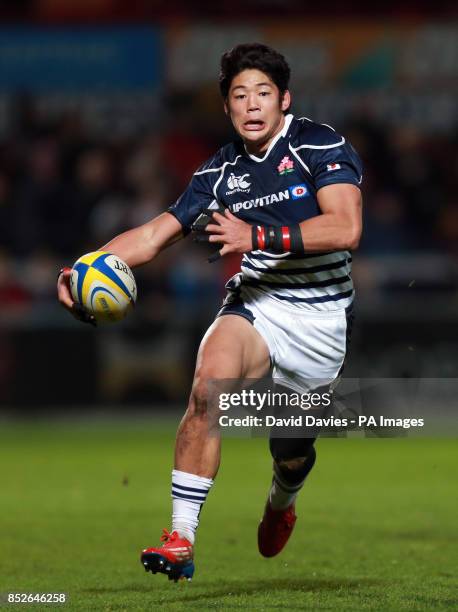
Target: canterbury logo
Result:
[238, 182]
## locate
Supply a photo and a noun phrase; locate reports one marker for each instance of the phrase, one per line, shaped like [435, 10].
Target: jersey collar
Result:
[281, 134]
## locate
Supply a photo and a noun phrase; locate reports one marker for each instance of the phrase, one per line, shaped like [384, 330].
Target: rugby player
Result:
[287, 195]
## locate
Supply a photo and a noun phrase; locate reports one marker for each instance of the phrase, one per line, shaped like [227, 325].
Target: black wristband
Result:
[284, 239]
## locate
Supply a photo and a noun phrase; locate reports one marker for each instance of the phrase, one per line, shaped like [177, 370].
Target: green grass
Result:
[377, 526]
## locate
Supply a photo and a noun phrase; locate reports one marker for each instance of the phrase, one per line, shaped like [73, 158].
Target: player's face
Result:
[256, 108]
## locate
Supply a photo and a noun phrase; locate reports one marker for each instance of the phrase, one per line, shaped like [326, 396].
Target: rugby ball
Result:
[104, 284]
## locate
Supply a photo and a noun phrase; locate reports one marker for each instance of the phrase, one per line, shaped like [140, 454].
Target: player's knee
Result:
[293, 450]
[294, 467]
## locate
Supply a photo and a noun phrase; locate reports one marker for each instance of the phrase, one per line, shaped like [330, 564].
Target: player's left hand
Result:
[232, 232]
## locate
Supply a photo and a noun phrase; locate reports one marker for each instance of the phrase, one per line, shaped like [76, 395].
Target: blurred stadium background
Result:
[106, 109]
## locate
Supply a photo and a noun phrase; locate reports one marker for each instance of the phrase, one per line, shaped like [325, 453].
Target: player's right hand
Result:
[65, 298]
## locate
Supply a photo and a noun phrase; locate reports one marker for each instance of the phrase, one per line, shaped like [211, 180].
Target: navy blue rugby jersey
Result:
[280, 188]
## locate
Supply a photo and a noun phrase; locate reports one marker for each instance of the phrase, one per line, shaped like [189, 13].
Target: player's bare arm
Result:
[136, 247]
[340, 224]
[142, 244]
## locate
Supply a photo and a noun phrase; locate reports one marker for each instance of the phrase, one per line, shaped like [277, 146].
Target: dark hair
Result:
[254, 56]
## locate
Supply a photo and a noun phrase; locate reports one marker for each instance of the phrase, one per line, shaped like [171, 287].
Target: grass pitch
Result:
[377, 523]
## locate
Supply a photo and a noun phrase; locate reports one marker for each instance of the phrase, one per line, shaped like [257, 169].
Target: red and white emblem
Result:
[285, 166]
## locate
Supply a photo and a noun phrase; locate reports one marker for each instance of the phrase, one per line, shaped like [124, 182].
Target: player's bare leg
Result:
[231, 349]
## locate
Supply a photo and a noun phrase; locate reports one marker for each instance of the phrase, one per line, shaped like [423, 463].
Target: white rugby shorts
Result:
[307, 349]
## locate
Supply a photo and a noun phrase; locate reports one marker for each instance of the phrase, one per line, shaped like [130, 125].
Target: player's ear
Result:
[226, 107]
[286, 101]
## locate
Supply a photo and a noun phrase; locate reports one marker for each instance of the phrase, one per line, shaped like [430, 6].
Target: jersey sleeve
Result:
[197, 197]
[330, 158]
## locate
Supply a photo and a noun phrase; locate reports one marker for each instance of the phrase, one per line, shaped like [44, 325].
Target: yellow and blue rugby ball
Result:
[104, 284]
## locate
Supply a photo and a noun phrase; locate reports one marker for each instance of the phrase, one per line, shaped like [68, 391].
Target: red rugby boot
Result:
[173, 558]
[274, 529]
